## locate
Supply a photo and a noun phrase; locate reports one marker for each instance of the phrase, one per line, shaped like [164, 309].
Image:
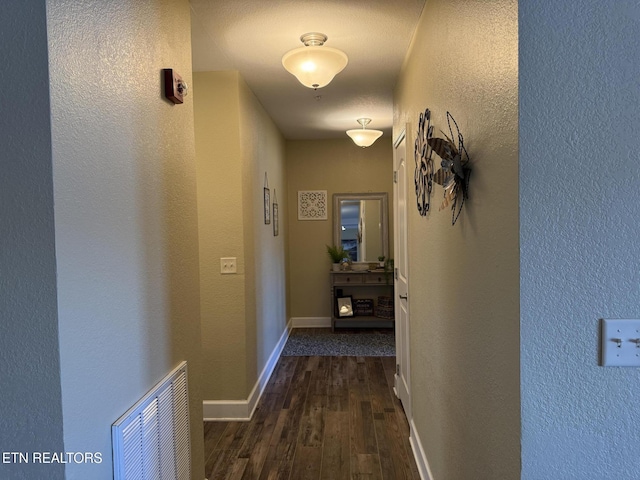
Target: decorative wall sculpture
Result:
[455, 171]
[312, 205]
[423, 176]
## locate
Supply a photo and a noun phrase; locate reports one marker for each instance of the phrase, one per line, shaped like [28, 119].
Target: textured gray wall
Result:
[463, 290]
[125, 215]
[579, 229]
[98, 307]
[30, 403]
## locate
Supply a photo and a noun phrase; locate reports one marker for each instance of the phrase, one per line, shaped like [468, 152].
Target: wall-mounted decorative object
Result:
[423, 176]
[275, 214]
[314, 65]
[175, 89]
[267, 201]
[363, 137]
[312, 205]
[455, 171]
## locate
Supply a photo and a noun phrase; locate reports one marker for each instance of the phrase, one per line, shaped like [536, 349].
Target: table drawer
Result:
[377, 278]
[348, 279]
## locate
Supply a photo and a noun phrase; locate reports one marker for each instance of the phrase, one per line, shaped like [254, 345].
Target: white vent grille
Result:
[151, 440]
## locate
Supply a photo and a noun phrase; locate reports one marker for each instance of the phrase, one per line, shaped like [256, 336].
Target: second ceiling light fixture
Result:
[363, 137]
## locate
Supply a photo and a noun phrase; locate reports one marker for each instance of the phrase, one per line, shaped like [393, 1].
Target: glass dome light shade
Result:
[314, 66]
[364, 138]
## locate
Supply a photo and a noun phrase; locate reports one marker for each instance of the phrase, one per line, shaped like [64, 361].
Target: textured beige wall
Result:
[243, 315]
[337, 166]
[221, 233]
[125, 205]
[464, 300]
[262, 151]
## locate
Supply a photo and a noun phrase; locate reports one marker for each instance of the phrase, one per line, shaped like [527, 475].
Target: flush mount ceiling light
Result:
[364, 138]
[314, 65]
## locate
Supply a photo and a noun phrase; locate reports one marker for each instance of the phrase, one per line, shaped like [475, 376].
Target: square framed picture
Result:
[312, 205]
[345, 306]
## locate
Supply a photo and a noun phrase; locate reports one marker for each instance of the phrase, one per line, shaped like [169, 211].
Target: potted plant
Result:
[337, 254]
[381, 261]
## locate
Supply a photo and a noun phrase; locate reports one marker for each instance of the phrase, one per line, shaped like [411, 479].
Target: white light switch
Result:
[620, 342]
[228, 265]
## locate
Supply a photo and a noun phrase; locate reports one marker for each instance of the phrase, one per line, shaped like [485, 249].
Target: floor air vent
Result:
[151, 440]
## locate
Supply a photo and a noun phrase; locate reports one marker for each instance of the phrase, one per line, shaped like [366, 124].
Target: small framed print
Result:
[363, 307]
[275, 219]
[267, 206]
[345, 306]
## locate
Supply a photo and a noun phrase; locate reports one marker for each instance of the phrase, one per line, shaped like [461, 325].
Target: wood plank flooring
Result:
[320, 418]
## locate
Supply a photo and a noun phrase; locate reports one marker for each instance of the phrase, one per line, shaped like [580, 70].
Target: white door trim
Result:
[401, 273]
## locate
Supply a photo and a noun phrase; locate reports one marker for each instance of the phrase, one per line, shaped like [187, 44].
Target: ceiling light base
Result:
[313, 39]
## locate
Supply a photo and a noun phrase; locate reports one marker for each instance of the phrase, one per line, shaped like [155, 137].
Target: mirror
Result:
[360, 225]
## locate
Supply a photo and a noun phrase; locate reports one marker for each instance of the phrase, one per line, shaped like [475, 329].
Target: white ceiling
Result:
[251, 36]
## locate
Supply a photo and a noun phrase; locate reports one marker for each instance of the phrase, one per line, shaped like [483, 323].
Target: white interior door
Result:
[401, 264]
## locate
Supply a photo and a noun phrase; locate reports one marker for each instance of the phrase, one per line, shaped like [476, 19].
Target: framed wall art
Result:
[312, 205]
[267, 201]
[275, 214]
[345, 306]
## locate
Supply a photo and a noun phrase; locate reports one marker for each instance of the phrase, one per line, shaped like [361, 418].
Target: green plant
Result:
[337, 253]
[381, 258]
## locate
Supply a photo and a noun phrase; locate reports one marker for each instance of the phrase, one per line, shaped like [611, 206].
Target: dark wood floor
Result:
[319, 418]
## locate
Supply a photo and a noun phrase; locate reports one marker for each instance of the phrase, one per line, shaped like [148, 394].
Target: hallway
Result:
[319, 418]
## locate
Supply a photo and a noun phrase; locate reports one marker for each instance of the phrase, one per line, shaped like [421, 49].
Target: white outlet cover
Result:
[620, 342]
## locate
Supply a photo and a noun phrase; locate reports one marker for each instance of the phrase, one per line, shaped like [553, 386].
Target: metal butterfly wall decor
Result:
[455, 171]
[423, 176]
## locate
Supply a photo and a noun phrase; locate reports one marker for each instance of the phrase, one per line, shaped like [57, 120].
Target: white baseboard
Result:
[310, 322]
[225, 410]
[242, 410]
[418, 453]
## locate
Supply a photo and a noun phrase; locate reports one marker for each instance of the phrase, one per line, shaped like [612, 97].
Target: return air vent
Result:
[151, 440]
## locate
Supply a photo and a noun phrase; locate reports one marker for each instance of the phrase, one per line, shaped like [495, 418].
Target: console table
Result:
[362, 285]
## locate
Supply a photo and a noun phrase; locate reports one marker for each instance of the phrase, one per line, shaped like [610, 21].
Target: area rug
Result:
[336, 344]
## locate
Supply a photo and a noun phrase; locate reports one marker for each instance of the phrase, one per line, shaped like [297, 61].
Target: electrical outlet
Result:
[620, 342]
[228, 265]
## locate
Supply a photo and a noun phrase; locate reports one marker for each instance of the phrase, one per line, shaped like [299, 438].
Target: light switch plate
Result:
[228, 265]
[620, 342]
